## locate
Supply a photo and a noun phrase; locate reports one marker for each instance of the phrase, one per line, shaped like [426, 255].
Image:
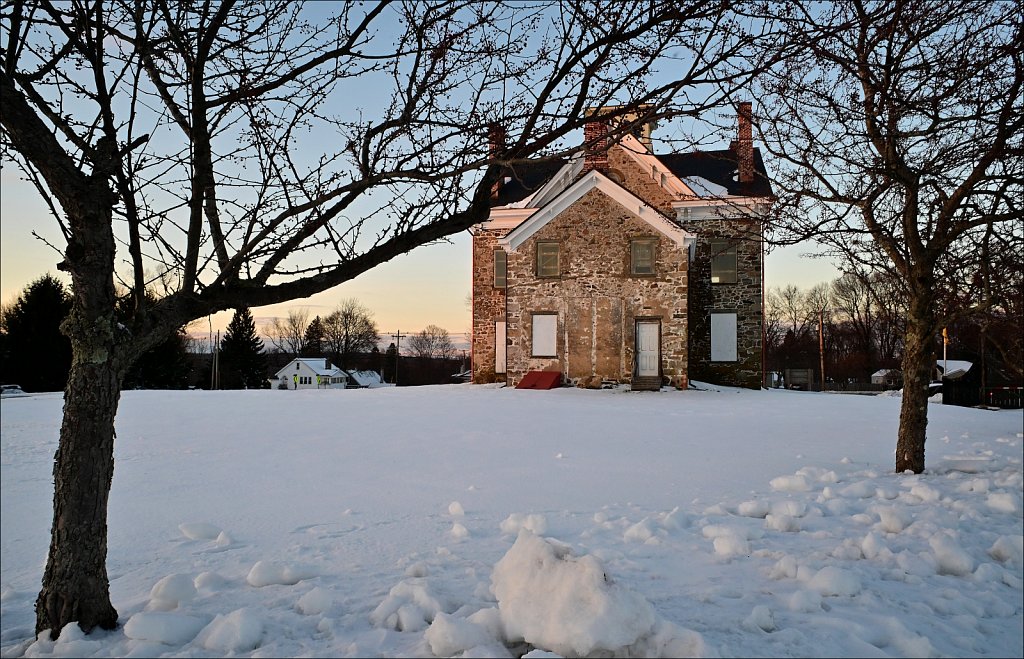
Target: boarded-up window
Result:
[500, 268]
[499, 346]
[545, 335]
[547, 260]
[641, 256]
[723, 337]
[723, 262]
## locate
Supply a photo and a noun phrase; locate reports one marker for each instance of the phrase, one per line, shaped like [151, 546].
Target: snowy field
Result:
[476, 521]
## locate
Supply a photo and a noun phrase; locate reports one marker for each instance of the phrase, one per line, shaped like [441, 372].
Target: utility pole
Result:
[397, 336]
[821, 344]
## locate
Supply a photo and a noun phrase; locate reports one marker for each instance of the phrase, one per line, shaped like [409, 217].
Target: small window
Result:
[723, 262]
[547, 260]
[641, 256]
[545, 335]
[500, 268]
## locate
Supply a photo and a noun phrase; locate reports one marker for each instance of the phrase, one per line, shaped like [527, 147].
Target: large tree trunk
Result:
[75, 583]
[918, 362]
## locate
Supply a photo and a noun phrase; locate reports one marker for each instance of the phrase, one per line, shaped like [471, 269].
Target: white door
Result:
[647, 349]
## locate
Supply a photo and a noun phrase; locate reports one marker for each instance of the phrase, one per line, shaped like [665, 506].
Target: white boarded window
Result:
[499, 346]
[545, 334]
[723, 337]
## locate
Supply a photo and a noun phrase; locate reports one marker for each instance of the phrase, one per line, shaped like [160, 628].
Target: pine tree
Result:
[36, 355]
[313, 341]
[242, 362]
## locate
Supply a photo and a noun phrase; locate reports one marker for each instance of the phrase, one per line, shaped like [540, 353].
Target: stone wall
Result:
[488, 304]
[744, 298]
[596, 298]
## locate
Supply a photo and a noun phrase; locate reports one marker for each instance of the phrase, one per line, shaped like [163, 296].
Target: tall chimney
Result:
[743, 146]
[595, 137]
[495, 145]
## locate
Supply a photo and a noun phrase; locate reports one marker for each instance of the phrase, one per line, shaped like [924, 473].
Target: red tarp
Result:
[540, 380]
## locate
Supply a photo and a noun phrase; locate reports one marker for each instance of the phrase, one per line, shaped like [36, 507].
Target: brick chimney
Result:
[496, 144]
[743, 146]
[595, 139]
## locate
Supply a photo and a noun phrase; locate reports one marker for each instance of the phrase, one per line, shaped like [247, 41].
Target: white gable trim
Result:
[559, 182]
[595, 180]
[659, 173]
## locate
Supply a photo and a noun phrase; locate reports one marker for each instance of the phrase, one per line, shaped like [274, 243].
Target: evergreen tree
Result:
[390, 363]
[242, 362]
[313, 340]
[165, 366]
[36, 355]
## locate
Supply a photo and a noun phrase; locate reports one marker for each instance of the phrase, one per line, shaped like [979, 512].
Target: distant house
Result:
[364, 379]
[888, 377]
[310, 373]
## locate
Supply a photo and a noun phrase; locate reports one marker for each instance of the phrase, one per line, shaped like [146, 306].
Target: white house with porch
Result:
[310, 373]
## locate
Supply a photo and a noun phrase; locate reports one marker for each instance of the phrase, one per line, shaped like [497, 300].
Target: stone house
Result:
[619, 265]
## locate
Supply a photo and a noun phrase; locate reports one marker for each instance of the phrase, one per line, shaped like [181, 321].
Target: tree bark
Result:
[917, 364]
[75, 583]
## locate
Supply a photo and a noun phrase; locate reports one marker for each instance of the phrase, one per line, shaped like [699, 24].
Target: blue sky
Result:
[428, 286]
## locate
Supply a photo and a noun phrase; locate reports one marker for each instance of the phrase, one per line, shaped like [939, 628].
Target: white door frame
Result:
[640, 370]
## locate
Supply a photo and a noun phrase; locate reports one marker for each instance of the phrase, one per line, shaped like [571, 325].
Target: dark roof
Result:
[719, 167]
[527, 179]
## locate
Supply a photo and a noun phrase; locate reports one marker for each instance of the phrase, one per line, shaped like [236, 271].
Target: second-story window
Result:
[547, 259]
[641, 256]
[723, 262]
[500, 268]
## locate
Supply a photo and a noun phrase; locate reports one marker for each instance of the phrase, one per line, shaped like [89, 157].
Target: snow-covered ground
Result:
[492, 522]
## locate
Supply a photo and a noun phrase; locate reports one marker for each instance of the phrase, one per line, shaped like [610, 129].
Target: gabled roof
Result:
[595, 180]
[318, 365]
[720, 167]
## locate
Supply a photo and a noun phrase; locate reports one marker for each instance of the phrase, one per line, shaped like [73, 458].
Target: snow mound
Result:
[794, 483]
[410, 606]
[950, 556]
[315, 602]
[517, 522]
[199, 531]
[449, 636]
[835, 582]
[171, 591]
[1003, 502]
[568, 604]
[162, 627]
[1007, 548]
[265, 573]
[239, 631]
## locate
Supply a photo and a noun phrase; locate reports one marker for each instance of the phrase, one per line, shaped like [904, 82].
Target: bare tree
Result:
[433, 343]
[897, 128]
[287, 334]
[348, 330]
[255, 153]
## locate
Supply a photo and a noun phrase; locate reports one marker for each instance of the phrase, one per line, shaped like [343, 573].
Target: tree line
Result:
[855, 325]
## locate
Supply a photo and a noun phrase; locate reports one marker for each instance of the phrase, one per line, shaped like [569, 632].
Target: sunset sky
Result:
[428, 286]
